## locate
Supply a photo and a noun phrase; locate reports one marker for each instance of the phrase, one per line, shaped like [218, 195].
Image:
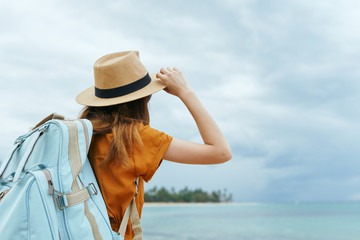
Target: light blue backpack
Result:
[48, 189]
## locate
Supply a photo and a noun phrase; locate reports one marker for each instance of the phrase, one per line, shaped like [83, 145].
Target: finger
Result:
[161, 76]
[170, 69]
[176, 69]
[164, 71]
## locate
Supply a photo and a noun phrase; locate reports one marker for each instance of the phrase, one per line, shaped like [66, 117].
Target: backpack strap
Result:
[76, 165]
[7, 160]
[132, 213]
[36, 135]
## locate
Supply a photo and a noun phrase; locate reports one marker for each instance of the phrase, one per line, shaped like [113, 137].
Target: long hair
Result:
[122, 121]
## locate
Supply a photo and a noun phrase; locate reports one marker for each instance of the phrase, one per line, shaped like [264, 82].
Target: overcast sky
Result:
[280, 77]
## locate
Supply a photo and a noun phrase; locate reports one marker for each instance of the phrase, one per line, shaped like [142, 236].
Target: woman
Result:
[124, 146]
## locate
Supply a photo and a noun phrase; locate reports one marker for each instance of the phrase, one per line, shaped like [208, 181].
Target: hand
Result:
[176, 83]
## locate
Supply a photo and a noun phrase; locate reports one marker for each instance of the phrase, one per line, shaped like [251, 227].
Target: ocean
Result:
[252, 221]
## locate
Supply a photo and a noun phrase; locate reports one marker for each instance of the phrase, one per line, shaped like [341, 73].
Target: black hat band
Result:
[123, 90]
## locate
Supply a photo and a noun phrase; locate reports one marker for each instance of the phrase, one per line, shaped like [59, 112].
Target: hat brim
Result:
[88, 98]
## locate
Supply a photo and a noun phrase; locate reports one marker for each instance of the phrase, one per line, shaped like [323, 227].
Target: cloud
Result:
[280, 78]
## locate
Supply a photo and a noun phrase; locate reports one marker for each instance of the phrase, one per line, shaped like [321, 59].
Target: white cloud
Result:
[279, 77]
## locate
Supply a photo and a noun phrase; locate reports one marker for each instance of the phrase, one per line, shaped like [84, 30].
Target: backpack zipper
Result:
[50, 184]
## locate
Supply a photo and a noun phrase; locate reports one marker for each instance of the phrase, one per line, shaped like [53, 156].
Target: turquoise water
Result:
[253, 221]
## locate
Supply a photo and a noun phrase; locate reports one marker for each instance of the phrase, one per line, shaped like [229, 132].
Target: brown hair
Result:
[122, 121]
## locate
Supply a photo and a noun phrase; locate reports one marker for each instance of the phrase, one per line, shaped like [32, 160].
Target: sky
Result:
[281, 78]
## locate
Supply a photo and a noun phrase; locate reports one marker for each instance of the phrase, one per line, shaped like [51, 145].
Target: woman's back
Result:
[116, 180]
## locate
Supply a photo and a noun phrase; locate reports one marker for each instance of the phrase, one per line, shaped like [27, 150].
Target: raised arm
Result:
[215, 148]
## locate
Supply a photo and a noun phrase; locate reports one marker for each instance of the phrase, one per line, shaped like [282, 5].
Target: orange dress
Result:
[117, 182]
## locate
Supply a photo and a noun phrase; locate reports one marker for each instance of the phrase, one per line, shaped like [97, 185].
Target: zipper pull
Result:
[51, 187]
[49, 181]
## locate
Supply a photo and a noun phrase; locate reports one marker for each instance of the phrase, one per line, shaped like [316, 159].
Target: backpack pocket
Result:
[27, 211]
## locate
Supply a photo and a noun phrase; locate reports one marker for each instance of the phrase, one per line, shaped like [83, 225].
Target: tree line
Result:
[186, 195]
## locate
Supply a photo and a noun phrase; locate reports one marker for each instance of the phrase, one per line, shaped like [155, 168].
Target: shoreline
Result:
[159, 204]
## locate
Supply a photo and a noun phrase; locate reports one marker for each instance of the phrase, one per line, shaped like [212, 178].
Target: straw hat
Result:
[119, 77]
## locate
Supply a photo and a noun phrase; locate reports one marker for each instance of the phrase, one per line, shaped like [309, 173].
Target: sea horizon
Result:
[245, 202]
